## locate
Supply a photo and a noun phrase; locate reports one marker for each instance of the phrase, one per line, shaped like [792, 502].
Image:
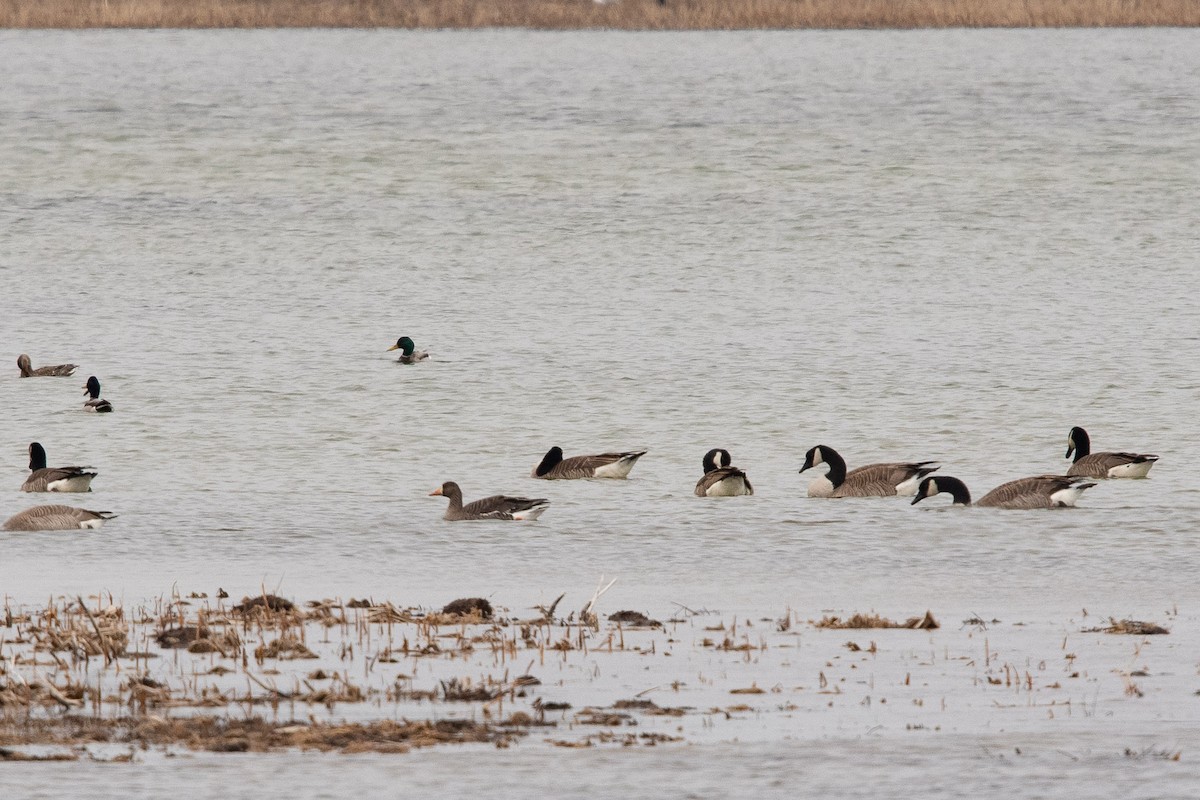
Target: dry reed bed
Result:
[586, 14]
[266, 674]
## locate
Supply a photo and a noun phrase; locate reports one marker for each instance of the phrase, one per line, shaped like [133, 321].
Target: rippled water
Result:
[927, 245]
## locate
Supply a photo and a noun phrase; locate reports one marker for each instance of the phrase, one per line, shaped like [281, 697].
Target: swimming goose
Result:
[56, 518]
[495, 507]
[720, 479]
[410, 354]
[873, 480]
[54, 479]
[1104, 465]
[1040, 491]
[604, 465]
[27, 370]
[94, 403]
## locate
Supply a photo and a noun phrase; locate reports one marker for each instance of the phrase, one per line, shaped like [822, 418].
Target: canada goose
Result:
[410, 354]
[1104, 465]
[604, 465]
[1040, 491]
[873, 480]
[27, 370]
[494, 507]
[94, 403]
[720, 479]
[56, 518]
[54, 479]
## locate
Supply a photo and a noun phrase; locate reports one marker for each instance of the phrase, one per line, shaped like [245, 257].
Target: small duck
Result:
[54, 479]
[27, 370]
[604, 465]
[410, 354]
[94, 403]
[56, 518]
[1104, 465]
[1040, 491]
[720, 479]
[495, 507]
[872, 480]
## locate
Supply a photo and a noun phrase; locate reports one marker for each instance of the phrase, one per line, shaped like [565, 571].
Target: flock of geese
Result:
[720, 478]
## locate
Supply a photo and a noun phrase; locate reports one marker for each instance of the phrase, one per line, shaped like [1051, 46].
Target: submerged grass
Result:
[584, 14]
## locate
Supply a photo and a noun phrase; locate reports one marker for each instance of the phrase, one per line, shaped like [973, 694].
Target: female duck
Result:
[873, 480]
[54, 479]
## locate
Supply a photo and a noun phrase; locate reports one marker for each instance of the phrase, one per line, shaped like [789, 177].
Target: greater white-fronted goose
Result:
[873, 480]
[1104, 465]
[56, 518]
[1039, 491]
[720, 479]
[58, 371]
[604, 465]
[495, 507]
[54, 479]
[94, 403]
[409, 352]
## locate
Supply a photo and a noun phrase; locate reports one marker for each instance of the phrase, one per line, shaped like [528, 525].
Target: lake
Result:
[950, 245]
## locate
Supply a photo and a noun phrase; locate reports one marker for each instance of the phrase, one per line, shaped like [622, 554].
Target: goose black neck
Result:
[551, 460]
[957, 489]
[1081, 442]
[37, 457]
[837, 466]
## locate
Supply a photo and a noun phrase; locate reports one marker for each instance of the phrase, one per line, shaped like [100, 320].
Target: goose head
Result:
[716, 459]
[37, 456]
[1078, 442]
[24, 364]
[553, 458]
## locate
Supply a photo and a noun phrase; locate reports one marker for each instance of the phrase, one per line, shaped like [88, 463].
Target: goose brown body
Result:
[56, 518]
[57, 371]
[603, 465]
[54, 479]
[1104, 465]
[495, 507]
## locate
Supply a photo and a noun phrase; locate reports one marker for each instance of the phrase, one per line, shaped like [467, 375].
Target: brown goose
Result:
[872, 480]
[720, 479]
[56, 518]
[27, 370]
[1104, 465]
[54, 479]
[1040, 491]
[495, 507]
[604, 465]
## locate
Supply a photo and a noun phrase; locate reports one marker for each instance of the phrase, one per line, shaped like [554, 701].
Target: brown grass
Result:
[577, 14]
[924, 623]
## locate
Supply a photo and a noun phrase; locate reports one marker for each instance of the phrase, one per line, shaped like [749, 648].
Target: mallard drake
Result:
[56, 518]
[495, 507]
[720, 479]
[54, 479]
[872, 480]
[1040, 491]
[410, 354]
[1104, 465]
[94, 403]
[604, 465]
[27, 370]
